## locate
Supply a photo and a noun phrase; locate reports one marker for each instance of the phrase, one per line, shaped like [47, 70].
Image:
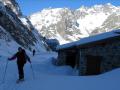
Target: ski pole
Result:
[32, 71]
[4, 75]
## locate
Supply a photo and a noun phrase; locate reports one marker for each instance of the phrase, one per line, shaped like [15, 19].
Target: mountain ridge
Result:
[68, 25]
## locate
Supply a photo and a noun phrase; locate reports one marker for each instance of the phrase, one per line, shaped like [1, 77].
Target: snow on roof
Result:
[90, 39]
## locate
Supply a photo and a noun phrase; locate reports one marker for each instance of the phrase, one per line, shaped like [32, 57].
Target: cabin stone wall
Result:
[110, 54]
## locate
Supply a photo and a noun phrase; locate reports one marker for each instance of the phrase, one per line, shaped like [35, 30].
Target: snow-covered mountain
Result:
[16, 30]
[68, 25]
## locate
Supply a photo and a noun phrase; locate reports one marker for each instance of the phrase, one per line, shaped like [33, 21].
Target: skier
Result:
[21, 60]
[33, 52]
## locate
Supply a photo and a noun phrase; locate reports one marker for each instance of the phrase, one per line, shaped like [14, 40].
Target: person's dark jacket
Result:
[21, 57]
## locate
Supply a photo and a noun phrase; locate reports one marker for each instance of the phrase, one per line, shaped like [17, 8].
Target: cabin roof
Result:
[91, 39]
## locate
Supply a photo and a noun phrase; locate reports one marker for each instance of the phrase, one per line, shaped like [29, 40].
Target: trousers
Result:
[21, 70]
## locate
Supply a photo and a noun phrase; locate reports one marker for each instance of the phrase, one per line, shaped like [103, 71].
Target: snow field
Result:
[50, 77]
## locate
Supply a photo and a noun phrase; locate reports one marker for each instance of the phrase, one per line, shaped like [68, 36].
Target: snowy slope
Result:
[14, 32]
[39, 45]
[7, 44]
[68, 25]
[49, 77]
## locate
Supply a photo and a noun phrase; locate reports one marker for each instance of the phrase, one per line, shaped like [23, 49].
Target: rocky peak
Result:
[13, 5]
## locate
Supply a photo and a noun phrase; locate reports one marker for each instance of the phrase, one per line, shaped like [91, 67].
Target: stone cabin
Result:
[92, 55]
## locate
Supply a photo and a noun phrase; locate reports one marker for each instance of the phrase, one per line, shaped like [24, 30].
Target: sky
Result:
[31, 6]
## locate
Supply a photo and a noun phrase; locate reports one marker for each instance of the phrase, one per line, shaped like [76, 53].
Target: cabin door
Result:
[93, 65]
[71, 59]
